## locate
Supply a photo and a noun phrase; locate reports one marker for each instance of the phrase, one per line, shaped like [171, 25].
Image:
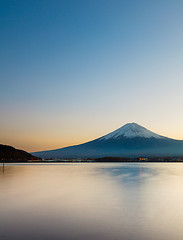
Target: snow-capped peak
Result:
[131, 130]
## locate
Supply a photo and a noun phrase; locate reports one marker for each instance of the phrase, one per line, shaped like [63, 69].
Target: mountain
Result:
[10, 154]
[131, 140]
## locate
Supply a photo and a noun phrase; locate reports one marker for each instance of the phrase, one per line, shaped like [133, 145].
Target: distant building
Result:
[143, 159]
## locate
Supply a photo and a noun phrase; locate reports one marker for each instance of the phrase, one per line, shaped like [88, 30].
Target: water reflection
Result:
[91, 201]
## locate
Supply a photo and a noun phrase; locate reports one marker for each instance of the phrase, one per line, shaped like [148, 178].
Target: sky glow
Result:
[72, 71]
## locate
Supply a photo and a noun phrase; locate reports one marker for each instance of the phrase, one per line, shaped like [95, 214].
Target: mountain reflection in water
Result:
[111, 201]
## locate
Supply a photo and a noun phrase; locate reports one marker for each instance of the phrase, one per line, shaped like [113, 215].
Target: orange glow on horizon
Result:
[46, 141]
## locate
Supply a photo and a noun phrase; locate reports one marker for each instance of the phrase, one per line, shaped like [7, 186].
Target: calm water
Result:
[91, 201]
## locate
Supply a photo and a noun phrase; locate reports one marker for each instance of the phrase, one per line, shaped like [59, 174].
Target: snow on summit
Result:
[131, 130]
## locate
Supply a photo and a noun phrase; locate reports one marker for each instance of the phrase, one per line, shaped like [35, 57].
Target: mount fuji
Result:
[130, 140]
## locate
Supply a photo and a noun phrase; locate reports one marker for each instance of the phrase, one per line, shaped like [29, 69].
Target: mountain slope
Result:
[131, 140]
[8, 153]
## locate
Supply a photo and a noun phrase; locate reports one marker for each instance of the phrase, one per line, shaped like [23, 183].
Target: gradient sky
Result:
[74, 70]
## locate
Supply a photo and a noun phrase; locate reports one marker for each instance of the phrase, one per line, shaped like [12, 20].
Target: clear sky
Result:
[74, 70]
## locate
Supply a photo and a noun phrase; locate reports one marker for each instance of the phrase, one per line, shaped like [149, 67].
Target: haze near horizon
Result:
[73, 71]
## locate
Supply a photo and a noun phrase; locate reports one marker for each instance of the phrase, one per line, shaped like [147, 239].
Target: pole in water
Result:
[3, 165]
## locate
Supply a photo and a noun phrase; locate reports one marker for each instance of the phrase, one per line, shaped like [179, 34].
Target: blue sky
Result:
[72, 71]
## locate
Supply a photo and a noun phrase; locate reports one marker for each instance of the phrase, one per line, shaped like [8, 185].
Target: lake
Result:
[91, 201]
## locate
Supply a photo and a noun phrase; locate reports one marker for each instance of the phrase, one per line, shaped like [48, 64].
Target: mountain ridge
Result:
[130, 140]
[9, 153]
